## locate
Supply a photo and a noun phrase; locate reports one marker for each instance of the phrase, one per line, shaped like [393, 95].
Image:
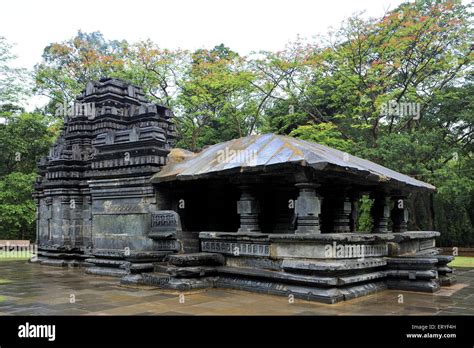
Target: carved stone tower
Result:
[93, 194]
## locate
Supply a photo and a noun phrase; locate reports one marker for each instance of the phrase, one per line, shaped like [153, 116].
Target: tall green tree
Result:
[14, 82]
[68, 66]
[214, 102]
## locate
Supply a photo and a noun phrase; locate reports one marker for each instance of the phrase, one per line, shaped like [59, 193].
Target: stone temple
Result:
[264, 213]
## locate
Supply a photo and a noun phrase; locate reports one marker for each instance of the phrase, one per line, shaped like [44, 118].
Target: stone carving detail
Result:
[110, 138]
[236, 248]
[342, 218]
[427, 244]
[134, 134]
[83, 155]
[307, 209]
[248, 208]
[381, 214]
[167, 244]
[76, 152]
[164, 222]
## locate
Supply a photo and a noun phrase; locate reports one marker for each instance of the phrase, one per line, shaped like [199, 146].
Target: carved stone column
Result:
[354, 197]
[248, 208]
[400, 214]
[342, 214]
[308, 208]
[283, 210]
[380, 213]
[49, 218]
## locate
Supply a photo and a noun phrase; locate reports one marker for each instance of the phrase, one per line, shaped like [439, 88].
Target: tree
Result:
[25, 138]
[68, 66]
[214, 103]
[13, 81]
[158, 71]
[323, 133]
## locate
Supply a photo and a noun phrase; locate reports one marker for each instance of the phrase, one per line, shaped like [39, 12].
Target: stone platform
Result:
[327, 268]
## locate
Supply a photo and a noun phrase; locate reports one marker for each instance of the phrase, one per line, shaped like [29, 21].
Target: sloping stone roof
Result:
[270, 151]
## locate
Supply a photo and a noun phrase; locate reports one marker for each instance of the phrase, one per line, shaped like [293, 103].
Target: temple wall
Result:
[121, 215]
[43, 218]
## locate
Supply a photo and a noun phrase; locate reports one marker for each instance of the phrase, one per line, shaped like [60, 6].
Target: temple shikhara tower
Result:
[94, 194]
[264, 213]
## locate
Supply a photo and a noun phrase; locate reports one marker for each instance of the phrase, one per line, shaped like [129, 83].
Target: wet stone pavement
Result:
[27, 289]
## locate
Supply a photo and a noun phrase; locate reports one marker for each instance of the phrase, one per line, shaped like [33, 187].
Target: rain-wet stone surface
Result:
[41, 290]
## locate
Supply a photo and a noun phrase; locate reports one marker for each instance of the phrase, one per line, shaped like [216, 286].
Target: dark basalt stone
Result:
[331, 265]
[414, 285]
[197, 259]
[165, 281]
[94, 187]
[106, 271]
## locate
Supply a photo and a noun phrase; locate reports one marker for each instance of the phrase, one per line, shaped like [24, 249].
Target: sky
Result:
[242, 25]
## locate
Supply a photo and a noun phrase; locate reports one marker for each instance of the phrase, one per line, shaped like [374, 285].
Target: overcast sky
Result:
[242, 25]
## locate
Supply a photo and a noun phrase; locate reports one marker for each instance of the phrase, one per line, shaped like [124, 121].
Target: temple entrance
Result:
[206, 207]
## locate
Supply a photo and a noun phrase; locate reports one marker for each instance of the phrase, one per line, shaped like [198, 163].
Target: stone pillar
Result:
[354, 197]
[283, 210]
[380, 213]
[38, 213]
[400, 214]
[248, 208]
[307, 209]
[49, 218]
[342, 215]
[65, 220]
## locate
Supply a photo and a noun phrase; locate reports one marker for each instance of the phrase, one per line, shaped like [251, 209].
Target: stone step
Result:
[139, 267]
[60, 255]
[445, 269]
[106, 271]
[433, 252]
[308, 280]
[411, 274]
[165, 281]
[310, 293]
[408, 263]
[444, 259]
[276, 276]
[195, 259]
[447, 280]
[360, 278]
[108, 262]
[430, 285]
[315, 266]
[185, 272]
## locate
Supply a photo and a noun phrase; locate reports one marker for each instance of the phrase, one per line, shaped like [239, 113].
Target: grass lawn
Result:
[12, 257]
[462, 261]
[4, 281]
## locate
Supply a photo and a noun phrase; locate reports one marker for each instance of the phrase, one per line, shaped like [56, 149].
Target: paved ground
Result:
[41, 290]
